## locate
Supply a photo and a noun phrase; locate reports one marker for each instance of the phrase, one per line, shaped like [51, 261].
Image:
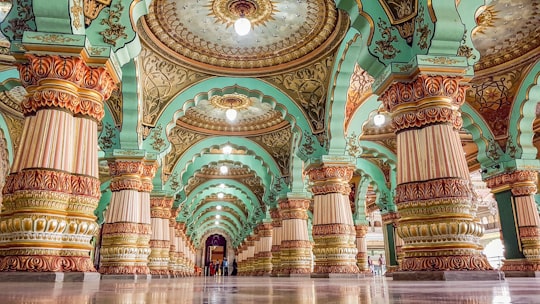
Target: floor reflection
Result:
[261, 290]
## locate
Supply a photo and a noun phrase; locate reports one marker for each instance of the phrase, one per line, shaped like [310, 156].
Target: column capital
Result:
[390, 217]
[361, 230]
[294, 208]
[520, 182]
[425, 100]
[276, 217]
[329, 178]
[54, 81]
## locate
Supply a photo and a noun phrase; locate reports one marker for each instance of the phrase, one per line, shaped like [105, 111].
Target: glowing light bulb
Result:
[379, 120]
[224, 169]
[226, 149]
[218, 207]
[220, 195]
[242, 26]
[231, 114]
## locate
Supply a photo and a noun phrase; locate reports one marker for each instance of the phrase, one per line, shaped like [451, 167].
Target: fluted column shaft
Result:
[53, 188]
[334, 233]
[172, 246]
[361, 247]
[160, 212]
[127, 229]
[250, 255]
[276, 241]
[265, 249]
[520, 206]
[434, 193]
[295, 244]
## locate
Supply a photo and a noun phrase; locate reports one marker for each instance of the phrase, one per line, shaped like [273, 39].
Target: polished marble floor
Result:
[262, 290]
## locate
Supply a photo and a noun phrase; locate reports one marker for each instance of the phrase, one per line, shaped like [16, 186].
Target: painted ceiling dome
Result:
[284, 34]
[254, 117]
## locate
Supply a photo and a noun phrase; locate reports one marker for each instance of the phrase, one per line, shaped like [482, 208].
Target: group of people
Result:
[379, 268]
[219, 268]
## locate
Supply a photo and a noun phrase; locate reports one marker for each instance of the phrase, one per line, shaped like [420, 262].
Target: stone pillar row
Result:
[160, 240]
[295, 248]
[276, 242]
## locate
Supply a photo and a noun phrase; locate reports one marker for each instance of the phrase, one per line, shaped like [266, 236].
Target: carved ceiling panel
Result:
[279, 145]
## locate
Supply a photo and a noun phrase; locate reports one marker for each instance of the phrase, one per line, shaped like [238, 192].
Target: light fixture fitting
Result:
[379, 119]
[224, 169]
[242, 26]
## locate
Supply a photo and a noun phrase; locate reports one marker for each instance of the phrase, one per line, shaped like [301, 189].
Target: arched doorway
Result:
[215, 250]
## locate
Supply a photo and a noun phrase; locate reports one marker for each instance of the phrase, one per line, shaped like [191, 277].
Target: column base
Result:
[521, 274]
[49, 276]
[133, 277]
[335, 275]
[160, 276]
[488, 275]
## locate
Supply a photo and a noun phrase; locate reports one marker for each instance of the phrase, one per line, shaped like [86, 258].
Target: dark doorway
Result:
[216, 248]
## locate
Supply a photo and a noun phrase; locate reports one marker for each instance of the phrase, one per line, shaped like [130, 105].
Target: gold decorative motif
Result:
[278, 144]
[308, 86]
[15, 129]
[385, 46]
[181, 140]
[423, 31]
[92, 8]
[115, 30]
[359, 90]
[231, 101]
[161, 81]
[258, 12]
[441, 60]
[115, 103]
[53, 38]
[106, 141]
[401, 14]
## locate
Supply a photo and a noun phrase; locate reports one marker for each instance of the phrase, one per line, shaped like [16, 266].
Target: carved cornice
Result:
[330, 179]
[520, 182]
[455, 188]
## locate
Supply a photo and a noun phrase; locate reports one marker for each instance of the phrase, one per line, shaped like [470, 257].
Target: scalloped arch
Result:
[222, 85]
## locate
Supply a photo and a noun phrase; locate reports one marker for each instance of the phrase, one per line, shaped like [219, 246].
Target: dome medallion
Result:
[285, 34]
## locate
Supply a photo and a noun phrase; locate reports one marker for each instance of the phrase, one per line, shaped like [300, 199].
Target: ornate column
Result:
[295, 245]
[334, 233]
[434, 192]
[160, 212]
[256, 251]
[520, 223]
[53, 189]
[276, 242]
[180, 268]
[240, 260]
[172, 249]
[251, 254]
[361, 247]
[393, 244]
[126, 232]
[265, 249]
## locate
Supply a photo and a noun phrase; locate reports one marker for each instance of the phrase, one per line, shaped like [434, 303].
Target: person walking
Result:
[225, 267]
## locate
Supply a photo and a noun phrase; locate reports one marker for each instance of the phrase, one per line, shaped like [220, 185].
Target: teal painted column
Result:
[392, 242]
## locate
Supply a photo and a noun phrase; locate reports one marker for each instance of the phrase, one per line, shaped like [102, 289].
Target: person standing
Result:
[382, 264]
[225, 266]
[370, 264]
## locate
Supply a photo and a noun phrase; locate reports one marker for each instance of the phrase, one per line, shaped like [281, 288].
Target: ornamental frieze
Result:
[433, 189]
[36, 263]
[333, 187]
[333, 229]
[445, 263]
[120, 167]
[126, 183]
[429, 116]
[134, 228]
[515, 178]
[342, 173]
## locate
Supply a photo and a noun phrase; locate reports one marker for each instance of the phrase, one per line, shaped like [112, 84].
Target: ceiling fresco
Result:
[305, 70]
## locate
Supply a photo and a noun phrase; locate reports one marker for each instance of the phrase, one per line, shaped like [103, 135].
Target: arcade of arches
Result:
[401, 128]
